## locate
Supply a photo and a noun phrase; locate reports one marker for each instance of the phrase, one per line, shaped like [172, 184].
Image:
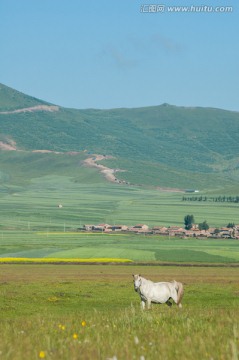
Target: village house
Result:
[139, 228]
[198, 233]
[226, 232]
[160, 230]
[176, 231]
[100, 227]
[120, 227]
[88, 227]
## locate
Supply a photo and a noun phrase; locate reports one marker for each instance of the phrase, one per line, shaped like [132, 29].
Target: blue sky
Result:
[109, 54]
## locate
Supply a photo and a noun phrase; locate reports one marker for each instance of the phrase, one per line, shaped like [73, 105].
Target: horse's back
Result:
[157, 292]
[164, 285]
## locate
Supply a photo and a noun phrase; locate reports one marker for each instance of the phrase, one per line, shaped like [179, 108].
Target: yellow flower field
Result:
[59, 260]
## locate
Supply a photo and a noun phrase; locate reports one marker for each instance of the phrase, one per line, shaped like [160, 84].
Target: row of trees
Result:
[194, 198]
[233, 199]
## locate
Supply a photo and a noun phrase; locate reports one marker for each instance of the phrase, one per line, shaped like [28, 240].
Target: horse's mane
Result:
[142, 278]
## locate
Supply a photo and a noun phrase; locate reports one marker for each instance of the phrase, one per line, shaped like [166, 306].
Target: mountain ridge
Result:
[163, 145]
[14, 93]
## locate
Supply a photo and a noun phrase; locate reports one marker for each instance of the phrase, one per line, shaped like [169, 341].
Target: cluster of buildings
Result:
[224, 232]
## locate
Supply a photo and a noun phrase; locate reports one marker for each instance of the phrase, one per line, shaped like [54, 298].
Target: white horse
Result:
[158, 293]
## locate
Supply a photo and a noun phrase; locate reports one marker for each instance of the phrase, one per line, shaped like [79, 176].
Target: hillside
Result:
[11, 99]
[161, 145]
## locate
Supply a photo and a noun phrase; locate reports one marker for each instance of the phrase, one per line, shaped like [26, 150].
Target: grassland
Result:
[33, 226]
[92, 312]
[32, 185]
[160, 145]
[78, 247]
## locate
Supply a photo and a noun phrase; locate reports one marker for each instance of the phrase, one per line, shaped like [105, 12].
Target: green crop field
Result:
[92, 312]
[137, 248]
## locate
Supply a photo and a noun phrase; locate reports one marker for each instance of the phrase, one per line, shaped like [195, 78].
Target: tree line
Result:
[189, 222]
[232, 199]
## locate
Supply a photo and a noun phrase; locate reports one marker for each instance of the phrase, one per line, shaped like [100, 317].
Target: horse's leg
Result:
[174, 296]
[169, 303]
[148, 304]
[180, 294]
[142, 305]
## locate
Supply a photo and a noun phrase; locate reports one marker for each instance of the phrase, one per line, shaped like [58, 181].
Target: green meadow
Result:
[33, 226]
[136, 248]
[92, 312]
[32, 185]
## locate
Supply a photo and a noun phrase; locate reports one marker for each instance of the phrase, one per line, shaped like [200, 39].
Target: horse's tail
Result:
[180, 291]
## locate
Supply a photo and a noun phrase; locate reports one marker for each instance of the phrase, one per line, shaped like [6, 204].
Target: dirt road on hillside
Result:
[108, 173]
[49, 108]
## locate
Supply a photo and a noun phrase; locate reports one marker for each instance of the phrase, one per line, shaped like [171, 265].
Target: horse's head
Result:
[137, 282]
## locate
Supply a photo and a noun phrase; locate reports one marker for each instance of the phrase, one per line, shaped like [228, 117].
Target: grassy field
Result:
[33, 226]
[29, 196]
[92, 312]
[139, 248]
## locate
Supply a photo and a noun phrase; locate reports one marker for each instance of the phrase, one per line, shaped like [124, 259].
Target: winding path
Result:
[108, 173]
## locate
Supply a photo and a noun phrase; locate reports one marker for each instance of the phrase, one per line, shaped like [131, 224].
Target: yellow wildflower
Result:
[75, 336]
[62, 327]
[83, 323]
[42, 354]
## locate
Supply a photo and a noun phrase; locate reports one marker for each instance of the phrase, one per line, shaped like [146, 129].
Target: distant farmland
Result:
[32, 224]
[137, 248]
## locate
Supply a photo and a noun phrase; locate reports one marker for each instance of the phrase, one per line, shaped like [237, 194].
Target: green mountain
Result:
[11, 99]
[165, 145]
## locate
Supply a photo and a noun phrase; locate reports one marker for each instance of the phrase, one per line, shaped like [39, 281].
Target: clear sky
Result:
[121, 53]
